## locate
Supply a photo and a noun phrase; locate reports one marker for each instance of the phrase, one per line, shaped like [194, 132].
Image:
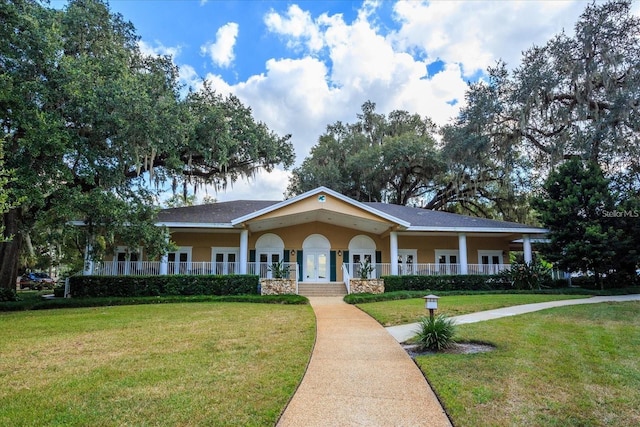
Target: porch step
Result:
[330, 289]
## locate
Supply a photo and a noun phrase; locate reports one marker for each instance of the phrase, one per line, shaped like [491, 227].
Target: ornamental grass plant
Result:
[436, 333]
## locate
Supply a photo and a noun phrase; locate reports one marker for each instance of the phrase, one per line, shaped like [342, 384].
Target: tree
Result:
[378, 158]
[577, 207]
[396, 159]
[90, 125]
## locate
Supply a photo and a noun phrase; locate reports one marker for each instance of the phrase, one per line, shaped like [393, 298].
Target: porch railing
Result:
[384, 269]
[346, 276]
[151, 268]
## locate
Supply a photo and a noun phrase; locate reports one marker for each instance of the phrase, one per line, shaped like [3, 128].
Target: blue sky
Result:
[303, 65]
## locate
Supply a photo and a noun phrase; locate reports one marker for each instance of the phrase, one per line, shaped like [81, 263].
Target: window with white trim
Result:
[447, 261]
[225, 260]
[490, 261]
[407, 260]
[179, 261]
[126, 260]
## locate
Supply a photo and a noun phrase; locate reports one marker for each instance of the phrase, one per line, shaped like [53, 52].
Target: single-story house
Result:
[324, 236]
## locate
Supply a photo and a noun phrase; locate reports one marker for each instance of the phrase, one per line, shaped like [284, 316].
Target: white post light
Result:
[431, 304]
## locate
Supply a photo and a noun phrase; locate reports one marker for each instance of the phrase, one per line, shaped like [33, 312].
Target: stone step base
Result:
[322, 289]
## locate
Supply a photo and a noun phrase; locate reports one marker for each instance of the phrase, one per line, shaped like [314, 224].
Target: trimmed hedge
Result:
[445, 283]
[139, 286]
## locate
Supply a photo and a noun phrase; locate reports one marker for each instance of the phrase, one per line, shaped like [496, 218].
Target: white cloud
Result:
[298, 25]
[158, 49]
[476, 34]
[221, 51]
[264, 186]
[337, 65]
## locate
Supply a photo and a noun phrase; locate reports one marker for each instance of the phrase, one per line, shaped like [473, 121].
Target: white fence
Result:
[384, 269]
[154, 268]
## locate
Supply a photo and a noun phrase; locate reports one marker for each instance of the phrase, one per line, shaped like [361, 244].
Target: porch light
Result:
[293, 252]
[339, 253]
[431, 304]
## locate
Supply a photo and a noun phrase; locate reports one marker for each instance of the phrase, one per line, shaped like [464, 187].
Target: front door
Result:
[316, 266]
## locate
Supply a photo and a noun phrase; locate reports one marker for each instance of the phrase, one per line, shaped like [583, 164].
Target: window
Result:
[127, 260]
[490, 262]
[407, 259]
[179, 262]
[225, 260]
[447, 261]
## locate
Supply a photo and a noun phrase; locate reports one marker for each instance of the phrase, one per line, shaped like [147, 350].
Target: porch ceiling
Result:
[321, 215]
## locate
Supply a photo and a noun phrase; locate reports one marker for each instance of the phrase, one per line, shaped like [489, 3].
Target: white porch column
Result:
[393, 243]
[88, 261]
[526, 247]
[462, 248]
[164, 262]
[244, 250]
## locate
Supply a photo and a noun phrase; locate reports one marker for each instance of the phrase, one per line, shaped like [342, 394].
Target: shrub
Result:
[527, 275]
[445, 283]
[138, 286]
[8, 294]
[436, 333]
[365, 269]
[279, 270]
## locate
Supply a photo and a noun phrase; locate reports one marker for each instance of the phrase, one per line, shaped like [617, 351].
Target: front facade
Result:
[324, 236]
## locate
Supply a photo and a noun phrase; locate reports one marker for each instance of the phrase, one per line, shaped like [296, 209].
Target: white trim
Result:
[315, 192]
[404, 267]
[196, 224]
[480, 229]
[491, 253]
[225, 251]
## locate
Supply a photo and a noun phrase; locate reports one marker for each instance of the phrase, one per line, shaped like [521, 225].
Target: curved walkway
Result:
[359, 375]
[404, 332]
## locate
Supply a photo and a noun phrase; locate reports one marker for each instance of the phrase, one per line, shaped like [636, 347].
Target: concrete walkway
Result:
[403, 333]
[359, 376]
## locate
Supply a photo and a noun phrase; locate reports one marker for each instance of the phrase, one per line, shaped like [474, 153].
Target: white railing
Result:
[440, 269]
[263, 269]
[346, 277]
[154, 268]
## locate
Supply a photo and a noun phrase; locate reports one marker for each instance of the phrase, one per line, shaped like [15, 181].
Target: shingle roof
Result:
[419, 217]
[215, 213]
[224, 213]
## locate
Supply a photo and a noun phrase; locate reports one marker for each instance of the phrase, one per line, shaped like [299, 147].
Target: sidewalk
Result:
[359, 375]
[404, 332]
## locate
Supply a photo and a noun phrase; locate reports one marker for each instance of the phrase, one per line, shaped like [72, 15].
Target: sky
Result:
[302, 65]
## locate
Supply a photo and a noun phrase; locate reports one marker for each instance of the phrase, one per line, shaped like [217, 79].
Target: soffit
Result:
[325, 208]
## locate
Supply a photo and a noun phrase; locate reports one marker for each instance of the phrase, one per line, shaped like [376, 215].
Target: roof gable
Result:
[321, 198]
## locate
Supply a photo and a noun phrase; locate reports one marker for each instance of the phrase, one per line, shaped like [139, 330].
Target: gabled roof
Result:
[220, 214]
[236, 214]
[430, 220]
[316, 192]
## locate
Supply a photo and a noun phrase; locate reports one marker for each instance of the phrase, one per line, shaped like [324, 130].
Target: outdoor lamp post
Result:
[431, 304]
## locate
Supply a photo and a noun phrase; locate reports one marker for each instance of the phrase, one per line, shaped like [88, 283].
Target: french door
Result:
[358, 259]
[265, 261]
[316, 266]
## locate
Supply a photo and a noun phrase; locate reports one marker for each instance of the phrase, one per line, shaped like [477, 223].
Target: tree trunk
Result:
[10, 250]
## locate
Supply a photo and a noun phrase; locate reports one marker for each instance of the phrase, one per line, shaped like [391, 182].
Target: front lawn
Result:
[170, 364]
[398, 312]
[569, 366]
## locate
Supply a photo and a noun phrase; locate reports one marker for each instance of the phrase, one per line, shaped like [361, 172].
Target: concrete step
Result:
[322, 289]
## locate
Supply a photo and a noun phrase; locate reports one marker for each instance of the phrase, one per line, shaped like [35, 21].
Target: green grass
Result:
[167, 364]
[32, 300]
[403, 311]
[569, 366]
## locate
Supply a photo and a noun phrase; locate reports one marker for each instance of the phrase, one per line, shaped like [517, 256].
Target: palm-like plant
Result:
[436, 333]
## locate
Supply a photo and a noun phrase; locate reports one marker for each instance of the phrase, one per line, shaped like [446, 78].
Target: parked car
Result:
[36, 281]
